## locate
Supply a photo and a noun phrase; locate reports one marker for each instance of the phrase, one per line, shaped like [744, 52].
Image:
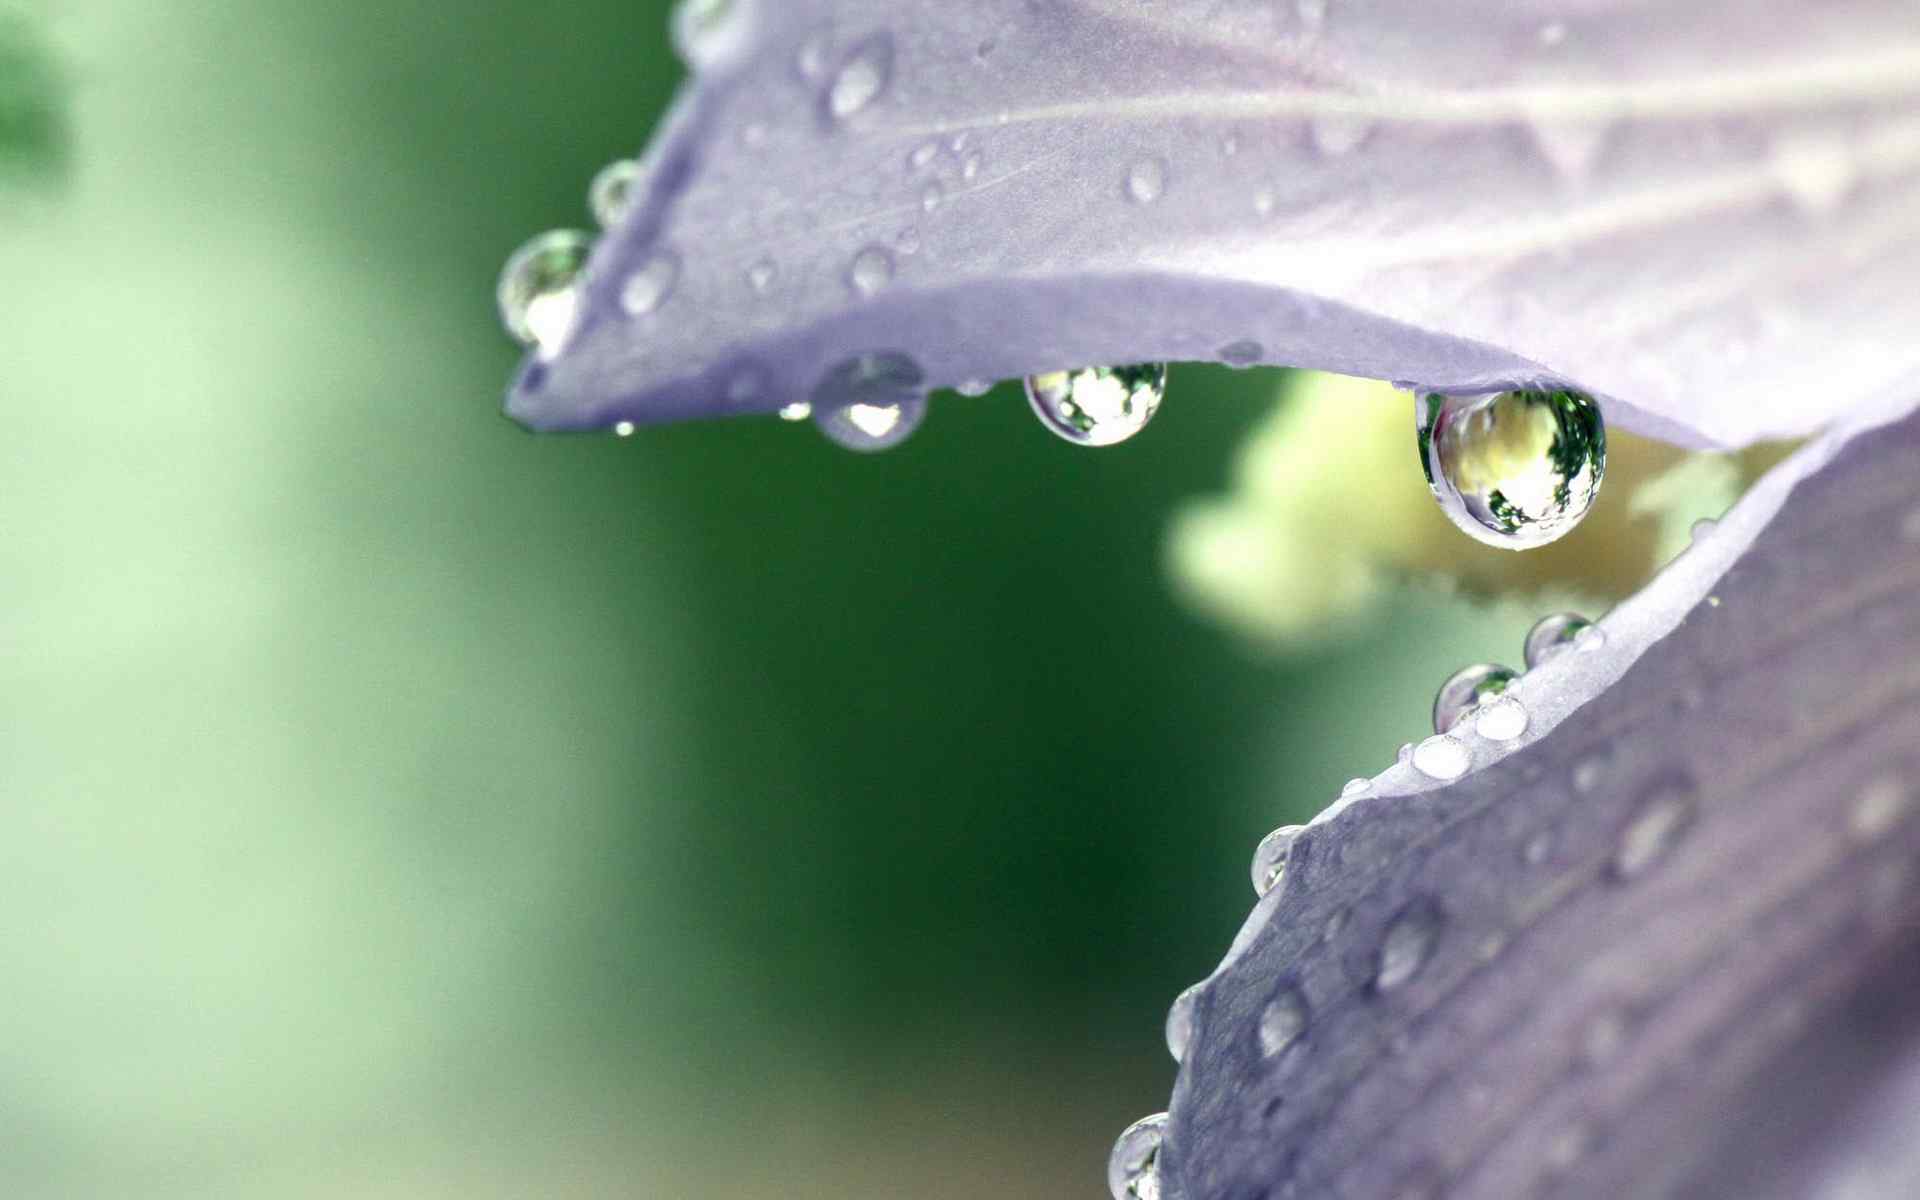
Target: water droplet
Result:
[1568, 1147]
[930, 197]
[1553, 636]
[1230, 145]
[1659, 822]
[1180, 1022]
[753, 135]
[1466, 689]
[923, 155]
[970, 166]
[974, 388]
[1404, 949]
[1243, 353]
[1570, 144]
[1553, 33]
[1335, 135]
[1133, 1169]
[1405, 754]
[1816, 171]
[650, 285]
[1270, 857]
[1702, 529]
[745, 386]
[539, 292]
[1357, 787]
[1588, 772]
[861, 79]
[1879, 807]
[1146, 180]
[908, 241]
[760, 276]
[1501, 720]
[1282, 1021]
[623, 429]
[799, 410]
[1263, 204]
[1098, 406]
[709, 32]
[1537, 848]
[872, 402]
[611, 196]
[872, 270]
[1442, 757]
[1513, 469]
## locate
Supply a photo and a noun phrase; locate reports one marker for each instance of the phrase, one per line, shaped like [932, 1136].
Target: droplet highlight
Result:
[539, 290]
[872, 402]
[1442, 757]
[1513, 469]
[1133, 1169]
[1098, 406]
[1501, 720]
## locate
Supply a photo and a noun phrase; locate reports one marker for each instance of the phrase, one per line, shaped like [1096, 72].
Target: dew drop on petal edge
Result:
[1133, 1169]
[539, 292]
[871, 402]
[1098, 406]
[1270, 857]
[1466, 690]
[1513, 469]
[610, 198]
[1553, 636]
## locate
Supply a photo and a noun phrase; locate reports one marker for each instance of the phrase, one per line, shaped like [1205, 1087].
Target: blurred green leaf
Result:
[33, 121]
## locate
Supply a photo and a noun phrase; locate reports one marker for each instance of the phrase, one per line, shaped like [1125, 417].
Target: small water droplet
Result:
[1270, 857]
[862, 78]
[1243, 353]
[539, 291]
[1501, 720]
[1570, 144]
[1357, 787]
[1146, 180]
[974, 388]
[1442, 757]
[1180, 1022]
[958, 141]
[760, 276]
[871, 402]
[1098, 406]
[1537, 848]
[1703, 529]
[930, 197]
[799, 410]
[970, 166]
[611, 196]
[811, 59]
[1335, 135]
[1553, 636]
[1588, 772]
[1282, 1021]
[1553, 33]
[1880, 806]
[708, 32]
[745, 386]
[872, 270]
[623, 429]
[1404, 950]
[650, 285]
[923, 155]
[1230, 145]
[1513, 469]
[908, 241]
[1816, 171]
[1663, 816]
[1466, 690]
[1263, 204]
[1133, 1169]
[1404, 755]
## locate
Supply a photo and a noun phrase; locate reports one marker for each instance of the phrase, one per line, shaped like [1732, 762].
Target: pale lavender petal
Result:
[1706, 213]
[1666, 946]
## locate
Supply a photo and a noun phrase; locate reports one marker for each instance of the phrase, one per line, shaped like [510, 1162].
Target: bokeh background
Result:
[395, 804]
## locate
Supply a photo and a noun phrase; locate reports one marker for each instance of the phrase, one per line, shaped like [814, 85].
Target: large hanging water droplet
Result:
[873, 402]
[1466, 690]
[1513, 469]
[1404, 950]
[1180, 1022]
[1282, 1021]
[539, 292]
[611, 196]
[1553, 636]
[1098, 406]
[1270, 857]
[861, 79]
[1133, 1169]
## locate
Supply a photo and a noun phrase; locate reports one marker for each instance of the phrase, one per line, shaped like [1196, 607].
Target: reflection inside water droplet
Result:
[539, 291]
[1098, 406]
[1513, 469]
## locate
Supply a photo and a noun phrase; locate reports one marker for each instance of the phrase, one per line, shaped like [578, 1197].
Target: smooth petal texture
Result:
[1664, 945]
[1707, 214]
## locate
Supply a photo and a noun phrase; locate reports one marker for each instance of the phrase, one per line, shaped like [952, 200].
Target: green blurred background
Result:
[399, 805]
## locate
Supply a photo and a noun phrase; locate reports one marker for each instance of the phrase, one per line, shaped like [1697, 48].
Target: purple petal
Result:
[1708, 214]
[1664, 946]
